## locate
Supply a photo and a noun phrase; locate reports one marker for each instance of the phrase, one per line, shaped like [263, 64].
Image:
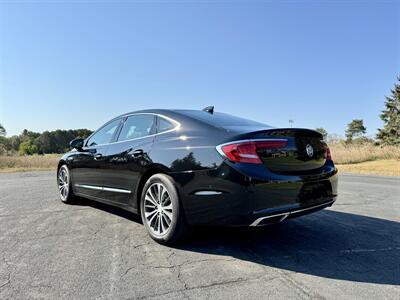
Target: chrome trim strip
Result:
[286, 214]
[101, 188]
[107, 189]
[219, 147]
[207, 193]
[284, 217]
[91, 187]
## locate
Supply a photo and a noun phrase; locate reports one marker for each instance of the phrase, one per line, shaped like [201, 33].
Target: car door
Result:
[88, 165]
[127, 158]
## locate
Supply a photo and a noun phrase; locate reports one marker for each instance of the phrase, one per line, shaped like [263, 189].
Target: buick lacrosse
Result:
[178, 168]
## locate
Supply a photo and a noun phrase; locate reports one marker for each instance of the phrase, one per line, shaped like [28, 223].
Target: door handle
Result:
[136, 153]
[98, 156]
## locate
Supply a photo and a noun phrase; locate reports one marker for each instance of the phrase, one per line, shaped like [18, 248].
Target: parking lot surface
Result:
[50, 250]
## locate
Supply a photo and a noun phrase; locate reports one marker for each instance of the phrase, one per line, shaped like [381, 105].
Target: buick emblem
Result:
[309, 150]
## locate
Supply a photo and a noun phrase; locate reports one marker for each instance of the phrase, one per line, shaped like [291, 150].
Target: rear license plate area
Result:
[313, 192]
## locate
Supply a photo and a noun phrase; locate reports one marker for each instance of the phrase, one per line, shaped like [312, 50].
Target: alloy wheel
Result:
[63, 183]
[158, 209]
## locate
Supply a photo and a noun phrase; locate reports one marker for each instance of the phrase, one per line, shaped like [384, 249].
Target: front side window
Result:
[104, 134]
[137, 126]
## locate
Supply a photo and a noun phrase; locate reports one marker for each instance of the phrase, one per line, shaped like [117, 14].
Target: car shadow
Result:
[330, 244]
[108, 208]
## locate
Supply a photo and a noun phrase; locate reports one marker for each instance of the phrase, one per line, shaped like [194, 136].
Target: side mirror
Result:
[77, 143]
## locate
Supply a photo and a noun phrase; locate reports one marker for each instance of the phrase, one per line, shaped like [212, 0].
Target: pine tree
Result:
[390, 133]
[355, 128]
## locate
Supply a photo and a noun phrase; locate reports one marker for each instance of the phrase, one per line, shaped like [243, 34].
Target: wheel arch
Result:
[60, 163]
[154, 169]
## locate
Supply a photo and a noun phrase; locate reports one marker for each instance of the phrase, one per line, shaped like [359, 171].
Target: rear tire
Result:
[64, 185]
[161, 210]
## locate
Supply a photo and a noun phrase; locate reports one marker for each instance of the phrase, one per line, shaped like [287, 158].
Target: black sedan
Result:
[178, 168]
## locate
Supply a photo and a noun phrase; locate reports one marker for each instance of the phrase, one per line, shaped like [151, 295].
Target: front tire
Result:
[161, 210]
[64, 185]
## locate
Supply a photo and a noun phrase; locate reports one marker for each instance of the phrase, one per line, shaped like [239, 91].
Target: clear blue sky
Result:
[76, 65]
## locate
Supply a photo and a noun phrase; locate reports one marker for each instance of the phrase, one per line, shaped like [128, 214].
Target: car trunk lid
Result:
[305, 149]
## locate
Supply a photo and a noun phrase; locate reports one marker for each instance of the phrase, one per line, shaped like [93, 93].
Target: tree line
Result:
[29, 142]
[57, 141]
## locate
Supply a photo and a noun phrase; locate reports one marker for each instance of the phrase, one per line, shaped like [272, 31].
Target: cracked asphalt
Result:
[50, 250]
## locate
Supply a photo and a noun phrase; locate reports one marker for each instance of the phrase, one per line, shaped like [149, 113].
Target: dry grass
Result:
[367, 159]
[351, 154]
[378, 167]
[29, 162]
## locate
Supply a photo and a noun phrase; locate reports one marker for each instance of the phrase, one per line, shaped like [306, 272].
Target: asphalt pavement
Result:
[49, 250]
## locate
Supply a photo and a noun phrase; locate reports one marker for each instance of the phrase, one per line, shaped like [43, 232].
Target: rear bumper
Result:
[277, 217]
[224, 196]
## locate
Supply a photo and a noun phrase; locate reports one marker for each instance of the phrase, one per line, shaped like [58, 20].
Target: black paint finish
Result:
[286, 180]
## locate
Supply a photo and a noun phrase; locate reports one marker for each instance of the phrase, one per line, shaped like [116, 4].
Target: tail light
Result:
[246, 151]
[328, 155]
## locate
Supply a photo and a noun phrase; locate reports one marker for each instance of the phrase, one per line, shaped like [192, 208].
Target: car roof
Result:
[158, 111]
[215, 119]
[172, 113]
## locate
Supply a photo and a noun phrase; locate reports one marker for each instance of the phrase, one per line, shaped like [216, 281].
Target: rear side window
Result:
[137, 126]
[104, 135]
[164, 125]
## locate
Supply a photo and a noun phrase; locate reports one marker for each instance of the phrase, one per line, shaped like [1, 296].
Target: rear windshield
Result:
[219, 119]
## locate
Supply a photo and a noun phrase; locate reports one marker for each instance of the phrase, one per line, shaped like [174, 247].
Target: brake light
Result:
[328, 155]
[246, 151]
